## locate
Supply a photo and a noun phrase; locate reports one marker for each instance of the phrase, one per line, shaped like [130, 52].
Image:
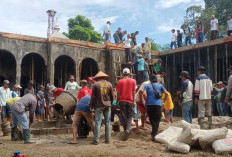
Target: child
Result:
[40, 108]
[168, 107]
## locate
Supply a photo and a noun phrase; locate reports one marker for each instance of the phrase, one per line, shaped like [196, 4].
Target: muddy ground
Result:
[138, 145]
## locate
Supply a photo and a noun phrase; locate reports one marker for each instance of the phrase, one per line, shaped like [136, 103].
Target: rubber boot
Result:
[201, 121]
[13, 134]
[27, 136]
[210, 122]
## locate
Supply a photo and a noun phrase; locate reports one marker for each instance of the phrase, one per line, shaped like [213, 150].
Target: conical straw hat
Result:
[101, 74]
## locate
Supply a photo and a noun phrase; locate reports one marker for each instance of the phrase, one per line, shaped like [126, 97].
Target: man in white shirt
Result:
[127, 43]
[5, 95]
[229, 25]
[214, 28]
[203, 89]
[107, 32]
[173, 40]
[72, 86]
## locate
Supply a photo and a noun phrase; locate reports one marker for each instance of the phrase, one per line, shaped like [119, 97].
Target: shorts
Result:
[6, 111]
[77, 118]
[169, 114]
[141, 107]
[136, 113]
[40, 109]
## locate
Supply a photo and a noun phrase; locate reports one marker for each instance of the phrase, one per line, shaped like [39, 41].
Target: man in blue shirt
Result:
[82, 109]
[140, 67]
[153, 103]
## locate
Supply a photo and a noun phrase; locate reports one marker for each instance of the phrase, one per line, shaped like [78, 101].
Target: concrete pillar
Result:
[77, 72]
[18, 73]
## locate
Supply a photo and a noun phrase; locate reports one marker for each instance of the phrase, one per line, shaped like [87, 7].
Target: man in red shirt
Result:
[56, 91]
[84, 90]
[126, 88]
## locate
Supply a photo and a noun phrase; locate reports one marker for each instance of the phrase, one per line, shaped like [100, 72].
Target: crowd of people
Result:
[176, 39]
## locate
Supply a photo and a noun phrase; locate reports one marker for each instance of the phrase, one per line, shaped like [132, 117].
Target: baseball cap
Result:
[126, 71]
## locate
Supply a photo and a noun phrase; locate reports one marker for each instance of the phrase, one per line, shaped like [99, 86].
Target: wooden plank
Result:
[215, 64]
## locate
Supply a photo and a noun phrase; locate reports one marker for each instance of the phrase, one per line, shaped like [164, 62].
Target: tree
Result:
[80, 28]
[158, 47]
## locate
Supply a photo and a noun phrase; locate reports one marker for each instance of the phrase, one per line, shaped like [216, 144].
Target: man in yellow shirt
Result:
[168, 107]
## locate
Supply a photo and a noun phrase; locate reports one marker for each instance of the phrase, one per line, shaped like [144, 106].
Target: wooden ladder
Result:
[117, 68]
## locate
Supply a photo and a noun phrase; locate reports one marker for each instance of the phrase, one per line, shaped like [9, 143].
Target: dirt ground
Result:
[138, 145]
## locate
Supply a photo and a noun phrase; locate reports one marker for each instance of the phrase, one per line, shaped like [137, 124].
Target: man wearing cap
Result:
[229, 25]
[199, 31]
[30, 88]
[116, 36]
[84, 90]
[225, 107]
[107, 33]
[5, 95]
[72, 86]
[203, 89]
[16, 91]
[228, 99]
[101, 100]
[56, 91]
[126, 88]
[152, 94]
[214, 28]
[27, 103]
[186, 96]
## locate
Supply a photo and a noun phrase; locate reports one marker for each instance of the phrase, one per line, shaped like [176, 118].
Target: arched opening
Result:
[33, 68]
[7, 67]
[88, 67]
[64, 66]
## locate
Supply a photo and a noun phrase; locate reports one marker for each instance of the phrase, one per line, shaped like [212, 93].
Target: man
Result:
[16, 91]
[203, 89]
[82, 110]
[107, 33]
[140, 69]
[214, 28]
[72, 86]
[186, 96]
[90, 83]
[5, 95]
[116, 35]
[173, 39]
[217, 97]
[146, 71]
[152, 94]
[133, 37]
[187, 33]
[229, 25]
[121, 34]
[147, 54]
[158, 67]
[225, 108]
[126, 88]
[30, 88]
[128, 49]
[160, 78]
[56, 91]
[27, 103]
[136, 51]
[101, 100]
[48, 94]
[199, 31]
[228, 99]
[140, 102]
[84, 90]
[179, 38]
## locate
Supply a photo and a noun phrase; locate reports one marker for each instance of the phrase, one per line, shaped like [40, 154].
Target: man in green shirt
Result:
[157, 67]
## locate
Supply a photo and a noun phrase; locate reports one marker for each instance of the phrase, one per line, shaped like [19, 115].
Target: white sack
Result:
[178, 147]
[223, 146]
[185, 125]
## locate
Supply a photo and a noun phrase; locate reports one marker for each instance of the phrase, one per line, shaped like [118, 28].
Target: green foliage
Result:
[80, 28]
[158, 47]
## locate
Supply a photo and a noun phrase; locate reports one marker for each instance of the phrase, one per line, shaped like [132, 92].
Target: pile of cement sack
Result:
[180, 139]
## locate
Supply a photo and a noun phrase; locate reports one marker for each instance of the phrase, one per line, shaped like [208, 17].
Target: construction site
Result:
[53, 59]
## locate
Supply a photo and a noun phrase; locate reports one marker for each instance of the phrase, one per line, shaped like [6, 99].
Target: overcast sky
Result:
[152, 18]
